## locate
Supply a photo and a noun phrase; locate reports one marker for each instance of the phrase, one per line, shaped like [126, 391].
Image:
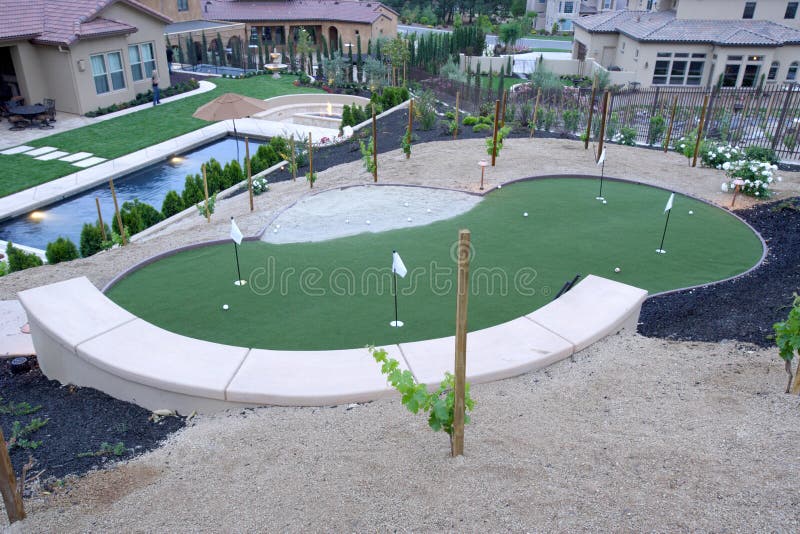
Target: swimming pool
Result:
[150, 185]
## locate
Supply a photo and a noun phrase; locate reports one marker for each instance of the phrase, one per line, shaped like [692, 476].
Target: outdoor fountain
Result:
[275, 66]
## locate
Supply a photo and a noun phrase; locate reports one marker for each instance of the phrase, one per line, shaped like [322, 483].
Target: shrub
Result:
[685, 145]
[715, 155]
[137, 216]
[657, 128]
[19, 260]
[62, 249]
[612, 125]
[758, 153]
[626, 136]
[480, 127]
[260, 185]
[425, 110]
[787, 338]
[501, 135]
[92, 239]
[3, 268]
[173, 203]
[470, 120]
[757, 177]
[571, 118]
[192, 190]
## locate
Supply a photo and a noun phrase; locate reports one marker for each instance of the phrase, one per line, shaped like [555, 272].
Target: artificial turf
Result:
[327, 295]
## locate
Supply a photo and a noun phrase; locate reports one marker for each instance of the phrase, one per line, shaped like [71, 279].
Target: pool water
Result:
[149, 185]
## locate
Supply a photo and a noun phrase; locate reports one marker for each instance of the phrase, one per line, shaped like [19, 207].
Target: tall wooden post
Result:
[457, 441]
[455, 131]
[374, 145]
[8, 485]
[205, 192]
[591, 115]
[249, 175]
[310, 162]
[410, 122]
[116, 210]
[294, 161]
[100, 218]
[700, 130]
[494, 135]
[535, 112]
[671, 122]
[602, 127]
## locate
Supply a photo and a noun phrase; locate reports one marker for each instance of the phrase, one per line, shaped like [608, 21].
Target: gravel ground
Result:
[636, 432]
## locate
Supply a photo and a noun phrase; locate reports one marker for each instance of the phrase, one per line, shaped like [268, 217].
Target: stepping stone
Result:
[52, 155]
[88, 162]
[76, 157]
[16, 150]
[41, 151]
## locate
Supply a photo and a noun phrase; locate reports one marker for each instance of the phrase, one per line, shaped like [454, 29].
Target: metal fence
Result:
[765, 117]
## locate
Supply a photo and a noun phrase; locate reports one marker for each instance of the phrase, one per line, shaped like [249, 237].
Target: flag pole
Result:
[661, 246]
[602, 173]
[396, 322]
[238, 271]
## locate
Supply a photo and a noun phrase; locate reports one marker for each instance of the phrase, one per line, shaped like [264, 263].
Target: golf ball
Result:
[616, 269]
[274, 230]
[405, 204]
[224, 306]
[525, 214]
[368, 221]
[277, 226]
[347, 221]
[499, 187]
[409, 219]
[604, 202]
[429, 210]
[691, 212]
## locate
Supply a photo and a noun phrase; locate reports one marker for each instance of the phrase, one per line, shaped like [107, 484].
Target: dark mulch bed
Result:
[79, 420]
[743, 309]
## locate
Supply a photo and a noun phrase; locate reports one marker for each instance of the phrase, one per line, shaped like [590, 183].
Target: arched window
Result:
[773, 70]
[791, 75]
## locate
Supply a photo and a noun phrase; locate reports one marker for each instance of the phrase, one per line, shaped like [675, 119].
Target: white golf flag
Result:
[602, 157]
[397, 265]
[669, 203]
[236, 234]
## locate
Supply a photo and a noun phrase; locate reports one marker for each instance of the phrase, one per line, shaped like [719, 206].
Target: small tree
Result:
[173, 203]
[510, 33]
[92, 239]
[303, 47]
[19, 260]
[787, 338]
[62, 249]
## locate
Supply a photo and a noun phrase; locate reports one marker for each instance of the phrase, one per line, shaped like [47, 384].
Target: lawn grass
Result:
[509, 81]
[120, 136]
[551, 37]
[326, 295]
[549, 50]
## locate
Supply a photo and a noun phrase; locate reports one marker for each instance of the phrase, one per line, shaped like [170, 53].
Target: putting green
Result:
[337, 294]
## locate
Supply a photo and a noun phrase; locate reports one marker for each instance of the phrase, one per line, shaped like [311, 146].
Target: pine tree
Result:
[221, 47]
[204, 50]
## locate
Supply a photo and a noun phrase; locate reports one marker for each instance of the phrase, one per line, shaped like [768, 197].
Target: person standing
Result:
[156, 91]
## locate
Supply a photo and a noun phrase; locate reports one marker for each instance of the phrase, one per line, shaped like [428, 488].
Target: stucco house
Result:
[84, 54]
[697, 43]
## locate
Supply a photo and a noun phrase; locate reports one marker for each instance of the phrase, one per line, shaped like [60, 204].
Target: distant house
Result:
[698, 43]
[84, 54]
[563, 12]
[273, 23]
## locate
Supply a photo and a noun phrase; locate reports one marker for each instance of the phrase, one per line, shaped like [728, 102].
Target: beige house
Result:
[563, 12]
[84, 54]
[698, 43]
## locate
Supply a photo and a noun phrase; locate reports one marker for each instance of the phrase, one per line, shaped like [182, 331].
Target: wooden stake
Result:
[591, 115]
[671, 122]
[457, 442]
[700, 130]
[536, 112]
[455, 132]
[100, 218]
[294, 162]
[249, 176]
[602, 127]
[410, 122]
[310, 162]
[205, 191]
[374, 144]
[116, 209]
[8, 485]
[494, 136]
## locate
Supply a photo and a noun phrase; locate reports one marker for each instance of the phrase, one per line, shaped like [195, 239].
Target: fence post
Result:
[671, 122]
[784, 111]
[700, 131]
[8, 482]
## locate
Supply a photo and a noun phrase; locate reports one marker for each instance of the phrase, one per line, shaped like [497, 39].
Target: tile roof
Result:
[664, 27]
[287, 10]
[62, 22]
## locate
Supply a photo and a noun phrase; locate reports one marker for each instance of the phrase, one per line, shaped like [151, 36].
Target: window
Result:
[791, 75]
[649, 5]
[791, 10]
[606, 4]
[142, 61]
[749, 10]
[566, 7]
[731, 75]
[678, 71]
[773, 70]
[750, 75]
[183, 5]
[107, 72]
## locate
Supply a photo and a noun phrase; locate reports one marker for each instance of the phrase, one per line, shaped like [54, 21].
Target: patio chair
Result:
[44, 122]
[50, 104]
[18, 123]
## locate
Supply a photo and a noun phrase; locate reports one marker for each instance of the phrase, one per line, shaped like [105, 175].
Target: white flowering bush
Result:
[757, 176]
[260, 185]
[714, 155]
[685, 145]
